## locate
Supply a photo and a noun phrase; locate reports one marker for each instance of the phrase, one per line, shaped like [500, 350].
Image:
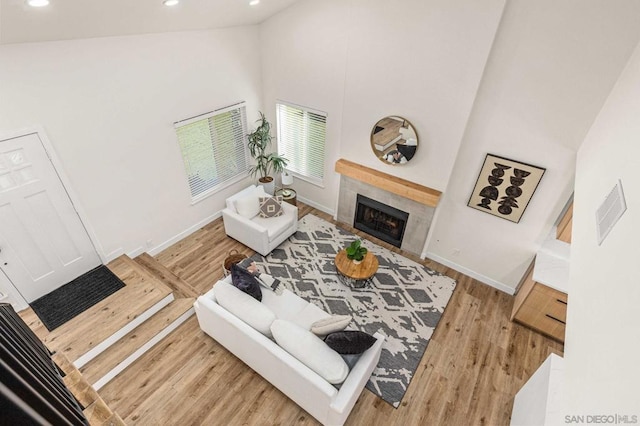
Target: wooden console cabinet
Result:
[541, 308]
[541, 302]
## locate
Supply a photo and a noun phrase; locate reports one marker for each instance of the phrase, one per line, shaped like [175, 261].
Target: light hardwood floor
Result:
[474, 365]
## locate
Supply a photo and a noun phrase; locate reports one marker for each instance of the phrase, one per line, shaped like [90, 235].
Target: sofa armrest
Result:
[358, 377]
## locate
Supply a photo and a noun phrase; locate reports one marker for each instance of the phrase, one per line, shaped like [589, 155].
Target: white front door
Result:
[43, 243]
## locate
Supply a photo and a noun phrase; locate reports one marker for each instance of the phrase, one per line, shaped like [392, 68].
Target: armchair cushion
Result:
[275, 226]
[248, 206]
[252, 190]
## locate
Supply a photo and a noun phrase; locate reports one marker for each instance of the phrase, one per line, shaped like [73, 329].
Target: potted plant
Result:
[259, 141]
[356, 252]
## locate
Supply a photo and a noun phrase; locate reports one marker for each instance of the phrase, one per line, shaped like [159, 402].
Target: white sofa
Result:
[260, 234]
[329, 405]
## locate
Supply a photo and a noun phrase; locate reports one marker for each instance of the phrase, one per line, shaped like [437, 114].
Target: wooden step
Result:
[179, 286]
[86, 335]
[97, 412]
[125, 351]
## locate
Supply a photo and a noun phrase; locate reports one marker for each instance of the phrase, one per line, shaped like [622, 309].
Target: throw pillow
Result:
[330, 325]
[257, 315]
[407, 150]
[248, 206]
[349, 341]
[245, 281]
[270, 206]
[307, 348]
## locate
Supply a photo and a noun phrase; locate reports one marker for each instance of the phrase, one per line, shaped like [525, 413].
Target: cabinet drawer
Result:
[545, 310]
[548, 301]
[542, 322]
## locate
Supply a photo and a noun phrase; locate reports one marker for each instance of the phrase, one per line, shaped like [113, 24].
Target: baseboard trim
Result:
[102, 346]
[190, 230]
[473, 274]
[142, 350]
[315, 205]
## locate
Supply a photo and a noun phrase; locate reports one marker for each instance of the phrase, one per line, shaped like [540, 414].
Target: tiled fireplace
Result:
[417, 216]
[380, 220]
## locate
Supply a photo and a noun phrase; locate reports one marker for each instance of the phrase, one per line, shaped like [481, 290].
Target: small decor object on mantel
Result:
[259, 140]
[505, 187]
[356, 252]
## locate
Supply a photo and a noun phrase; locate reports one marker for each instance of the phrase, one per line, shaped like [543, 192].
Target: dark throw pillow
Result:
[245, 281]
[407, 150]
[349, 342]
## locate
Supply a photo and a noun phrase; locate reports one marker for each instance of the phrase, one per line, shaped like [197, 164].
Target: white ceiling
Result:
[71, 19]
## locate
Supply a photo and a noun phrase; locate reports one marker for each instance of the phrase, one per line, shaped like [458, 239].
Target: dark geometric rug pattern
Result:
[404, 302]
[75, 297]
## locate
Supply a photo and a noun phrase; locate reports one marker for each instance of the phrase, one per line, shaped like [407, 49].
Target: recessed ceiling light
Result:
[38, 3]
[254, 2]
[170, 2]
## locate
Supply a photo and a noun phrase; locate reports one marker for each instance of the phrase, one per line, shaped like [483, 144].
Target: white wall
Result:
[602, 342]
[108, 107]
[304, 53]
[361, 60]
[551, 68]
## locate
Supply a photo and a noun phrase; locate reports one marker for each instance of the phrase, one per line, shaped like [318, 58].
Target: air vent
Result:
[610, 211]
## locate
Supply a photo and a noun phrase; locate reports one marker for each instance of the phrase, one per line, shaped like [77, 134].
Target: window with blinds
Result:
[214, 149]
[301, 139]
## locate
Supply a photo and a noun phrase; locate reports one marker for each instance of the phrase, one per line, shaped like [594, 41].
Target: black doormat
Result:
[75, 297]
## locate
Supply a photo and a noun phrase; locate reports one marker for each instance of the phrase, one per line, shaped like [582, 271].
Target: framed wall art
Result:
[505, 187]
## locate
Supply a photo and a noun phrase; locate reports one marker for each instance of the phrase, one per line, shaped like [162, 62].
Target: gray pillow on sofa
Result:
[349, 342]
[245, 281]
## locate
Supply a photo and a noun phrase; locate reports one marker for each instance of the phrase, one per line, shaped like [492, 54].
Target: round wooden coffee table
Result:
[356, 275]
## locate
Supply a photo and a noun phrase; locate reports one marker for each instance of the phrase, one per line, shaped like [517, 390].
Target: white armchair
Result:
[260, 234]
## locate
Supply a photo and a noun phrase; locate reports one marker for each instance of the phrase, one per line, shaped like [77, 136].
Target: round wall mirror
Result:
[394, 140]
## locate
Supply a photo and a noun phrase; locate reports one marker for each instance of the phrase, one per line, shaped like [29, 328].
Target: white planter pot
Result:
[269, 187]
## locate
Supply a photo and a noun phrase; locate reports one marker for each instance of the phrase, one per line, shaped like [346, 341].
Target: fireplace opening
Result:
[380, 220]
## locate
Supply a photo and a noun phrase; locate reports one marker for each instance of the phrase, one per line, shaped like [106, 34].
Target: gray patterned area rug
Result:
[404, 302]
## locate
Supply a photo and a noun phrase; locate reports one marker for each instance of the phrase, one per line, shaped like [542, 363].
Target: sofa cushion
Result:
[349, 341]
[270, 206]
[245, 307]
[286, 305]
[307, 348]
[245, 281]
[307, 316]
[330, 325]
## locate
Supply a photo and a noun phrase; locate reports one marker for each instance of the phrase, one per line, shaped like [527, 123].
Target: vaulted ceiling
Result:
[73, 19]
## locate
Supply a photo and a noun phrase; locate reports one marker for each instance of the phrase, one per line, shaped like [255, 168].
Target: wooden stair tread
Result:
[98, 412]
[96, 409]
[142, 291]
[179, 286]
[98, 367]
[75, 382]
[114, 420]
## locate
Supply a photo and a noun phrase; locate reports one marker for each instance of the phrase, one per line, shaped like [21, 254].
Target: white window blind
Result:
[301, 139]
[214, 149]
